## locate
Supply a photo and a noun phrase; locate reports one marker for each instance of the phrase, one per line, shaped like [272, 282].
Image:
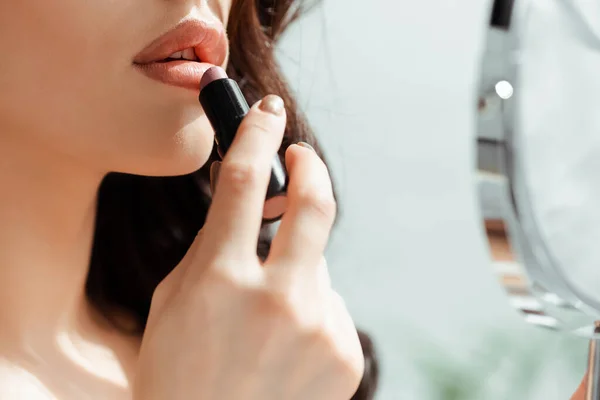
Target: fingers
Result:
[235, 216]
[305, 227]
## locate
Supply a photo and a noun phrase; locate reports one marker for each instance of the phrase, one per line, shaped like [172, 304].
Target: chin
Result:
[178, 163]
[184, 165]
[184, 153]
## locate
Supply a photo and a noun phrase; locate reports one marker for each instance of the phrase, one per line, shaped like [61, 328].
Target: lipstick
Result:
[225, 108]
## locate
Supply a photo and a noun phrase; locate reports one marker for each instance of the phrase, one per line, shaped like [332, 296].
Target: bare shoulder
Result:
[17, 383]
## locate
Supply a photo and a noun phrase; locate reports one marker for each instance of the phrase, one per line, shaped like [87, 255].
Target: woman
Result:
[107, 290]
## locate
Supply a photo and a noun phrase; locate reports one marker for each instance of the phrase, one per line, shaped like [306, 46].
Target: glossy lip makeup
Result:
[226, 107]
[181, 56]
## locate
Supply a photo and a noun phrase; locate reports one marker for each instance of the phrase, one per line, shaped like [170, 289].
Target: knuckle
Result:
[306, 322]
[274, 304]
[217, 276]
[222, 274]
[216, 286]
[319, 337]
[319, 204]
[279, 306]
[239, 175]
[259, 126]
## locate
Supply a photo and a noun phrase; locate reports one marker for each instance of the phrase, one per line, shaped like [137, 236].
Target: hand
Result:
[223, 325]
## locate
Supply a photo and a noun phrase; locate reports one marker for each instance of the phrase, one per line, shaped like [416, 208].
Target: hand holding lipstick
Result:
[226, 107]
[245, 329]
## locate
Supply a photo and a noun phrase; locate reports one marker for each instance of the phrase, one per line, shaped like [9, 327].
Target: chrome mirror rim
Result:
[526, 268]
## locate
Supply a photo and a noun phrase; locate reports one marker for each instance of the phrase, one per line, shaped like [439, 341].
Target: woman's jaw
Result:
[118, 105]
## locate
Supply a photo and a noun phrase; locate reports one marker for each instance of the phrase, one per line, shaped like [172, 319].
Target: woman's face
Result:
[68, 82]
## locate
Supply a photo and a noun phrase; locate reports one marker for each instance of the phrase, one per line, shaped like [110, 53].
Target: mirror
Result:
[538, 155]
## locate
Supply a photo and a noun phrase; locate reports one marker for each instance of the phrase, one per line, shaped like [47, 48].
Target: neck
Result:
[47, 215]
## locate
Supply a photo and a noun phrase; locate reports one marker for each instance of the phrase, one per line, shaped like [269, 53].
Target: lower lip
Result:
[181, 73]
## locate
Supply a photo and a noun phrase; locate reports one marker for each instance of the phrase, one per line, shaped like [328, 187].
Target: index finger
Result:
[235, 216]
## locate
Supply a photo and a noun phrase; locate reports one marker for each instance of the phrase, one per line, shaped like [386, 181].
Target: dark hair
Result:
[146, 224]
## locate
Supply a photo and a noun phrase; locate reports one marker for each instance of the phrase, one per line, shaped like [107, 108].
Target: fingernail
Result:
[272, 104]
[306, 145]
[214, 175]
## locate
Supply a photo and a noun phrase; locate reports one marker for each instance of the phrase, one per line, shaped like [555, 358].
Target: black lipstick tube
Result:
[226, 107]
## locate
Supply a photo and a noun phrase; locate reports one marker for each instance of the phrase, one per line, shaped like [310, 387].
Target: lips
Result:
[182, 55]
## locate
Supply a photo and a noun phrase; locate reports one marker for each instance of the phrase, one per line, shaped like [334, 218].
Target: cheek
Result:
[223, 8]
[50, 39]
[55, 53]
[63, 80]
[68, 83]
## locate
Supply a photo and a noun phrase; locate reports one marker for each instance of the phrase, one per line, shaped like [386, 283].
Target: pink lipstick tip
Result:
[212, 74]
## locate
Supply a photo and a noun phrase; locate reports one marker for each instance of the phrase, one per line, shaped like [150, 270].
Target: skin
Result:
[222, 325]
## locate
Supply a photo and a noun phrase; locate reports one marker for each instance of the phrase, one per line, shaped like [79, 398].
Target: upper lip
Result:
[207, 38]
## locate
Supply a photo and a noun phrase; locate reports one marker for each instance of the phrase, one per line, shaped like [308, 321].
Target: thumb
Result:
[214, 175]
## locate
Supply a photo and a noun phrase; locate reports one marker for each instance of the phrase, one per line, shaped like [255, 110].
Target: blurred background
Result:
[390, 88]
